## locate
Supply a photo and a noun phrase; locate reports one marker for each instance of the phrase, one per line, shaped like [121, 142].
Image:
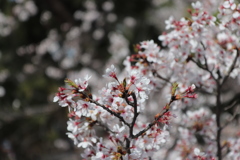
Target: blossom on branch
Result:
[203, 51]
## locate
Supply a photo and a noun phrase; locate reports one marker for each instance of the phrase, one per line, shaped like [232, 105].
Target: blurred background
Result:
[44, 41]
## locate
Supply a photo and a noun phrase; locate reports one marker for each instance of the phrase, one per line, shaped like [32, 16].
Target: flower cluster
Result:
[118, 111]
[230, 15]
[202, 39]
[198, 127]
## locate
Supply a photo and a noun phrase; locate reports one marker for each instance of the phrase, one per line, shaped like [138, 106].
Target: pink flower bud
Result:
[191, 96]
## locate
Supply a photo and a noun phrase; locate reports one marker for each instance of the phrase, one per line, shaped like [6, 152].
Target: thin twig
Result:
[136, 113]
[232, 67]
[110, 111]
[156, 119]
[205, 67]
[160, 77]
[218, 118]
[232, 118]
[150, 125]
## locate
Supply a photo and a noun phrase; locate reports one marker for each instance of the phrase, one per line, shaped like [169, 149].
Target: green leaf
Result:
[174, 88]
[71, 83]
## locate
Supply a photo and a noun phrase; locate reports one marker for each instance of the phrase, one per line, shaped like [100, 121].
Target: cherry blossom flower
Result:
[82, 84]
[229, 4]
[111, 72]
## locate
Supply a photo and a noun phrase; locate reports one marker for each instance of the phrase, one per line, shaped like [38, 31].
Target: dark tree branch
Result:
[135, 114]
[218, 116]
[111, 112]
[166, 109]
[150, 125]
[204, 67]
[219, 104]
[160, 77]
[232, 118]
[232, 102]
[232, 67]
